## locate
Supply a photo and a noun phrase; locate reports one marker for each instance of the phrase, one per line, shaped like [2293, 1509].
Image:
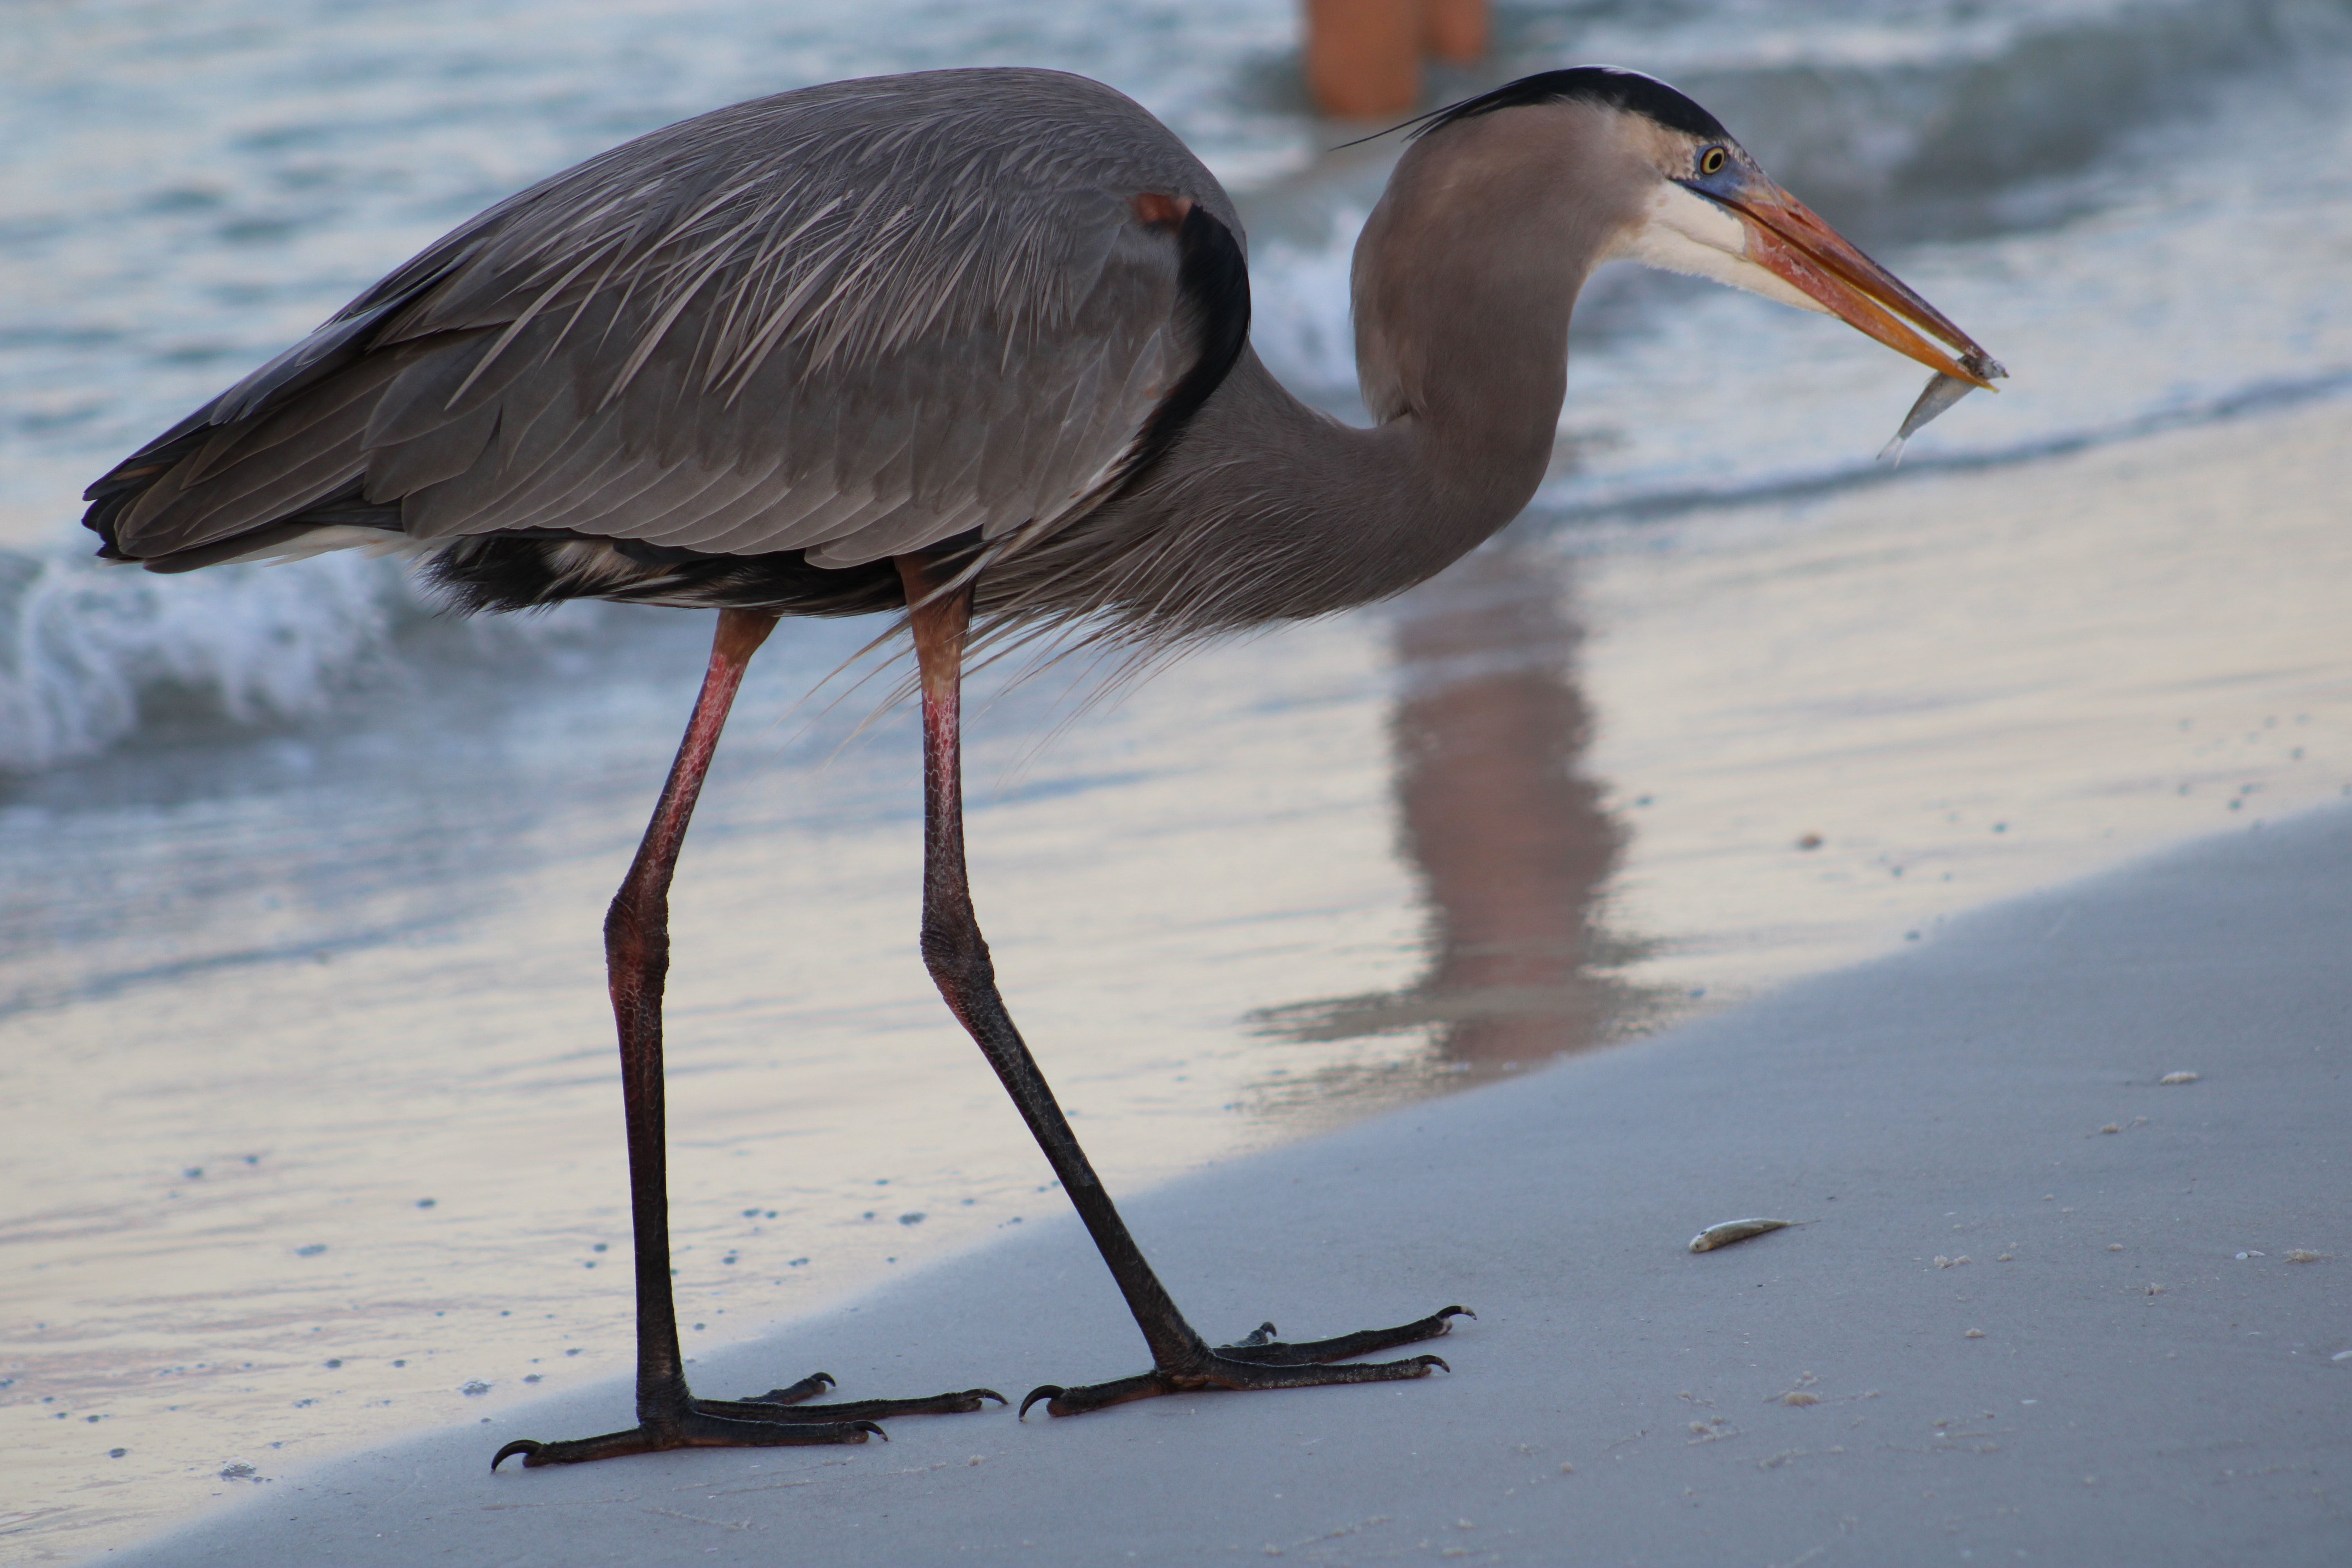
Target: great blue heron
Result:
[967, 343]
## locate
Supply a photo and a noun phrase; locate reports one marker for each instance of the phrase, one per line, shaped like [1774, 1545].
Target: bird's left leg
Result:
[957, 956]
[636, 953]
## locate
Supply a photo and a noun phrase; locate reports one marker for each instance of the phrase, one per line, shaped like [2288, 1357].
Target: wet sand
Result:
[1560, 798]
[2041, 1303]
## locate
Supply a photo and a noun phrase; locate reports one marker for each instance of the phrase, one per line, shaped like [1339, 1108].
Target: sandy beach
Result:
[2042, 1304]
[1466, 947]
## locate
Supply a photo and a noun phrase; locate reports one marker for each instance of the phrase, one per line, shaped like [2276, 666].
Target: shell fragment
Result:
[1733, 1230]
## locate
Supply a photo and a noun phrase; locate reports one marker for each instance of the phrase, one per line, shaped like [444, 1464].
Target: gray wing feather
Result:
[263, 467]
[854, 320]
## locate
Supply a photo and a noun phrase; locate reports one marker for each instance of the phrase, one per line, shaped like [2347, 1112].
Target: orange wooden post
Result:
[1454, 30]
[1363, 57]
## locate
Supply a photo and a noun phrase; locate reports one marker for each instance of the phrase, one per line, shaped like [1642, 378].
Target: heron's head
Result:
[1688, 198]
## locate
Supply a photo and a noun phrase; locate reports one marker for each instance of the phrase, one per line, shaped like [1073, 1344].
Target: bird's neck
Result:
[1264, 509]
[1464, 284]
[1380, 510]
[1465, 278]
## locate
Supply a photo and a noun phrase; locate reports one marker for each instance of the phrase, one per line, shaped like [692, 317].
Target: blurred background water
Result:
[310, 1129]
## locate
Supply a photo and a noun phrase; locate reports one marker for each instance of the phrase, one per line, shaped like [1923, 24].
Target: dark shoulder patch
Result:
[1605, 85]
[1213, 284]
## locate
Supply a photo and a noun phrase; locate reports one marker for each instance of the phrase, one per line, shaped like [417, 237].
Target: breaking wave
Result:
[90, 652]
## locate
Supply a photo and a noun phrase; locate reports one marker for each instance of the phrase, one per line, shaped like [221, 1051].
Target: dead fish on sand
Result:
[1733, 1230]
[1942, 391]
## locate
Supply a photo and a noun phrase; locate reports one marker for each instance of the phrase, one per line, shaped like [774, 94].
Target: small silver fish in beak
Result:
[1725, 218]
[1942, 391]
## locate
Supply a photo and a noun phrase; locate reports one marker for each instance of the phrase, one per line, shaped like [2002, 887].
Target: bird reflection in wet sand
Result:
[1509, 837]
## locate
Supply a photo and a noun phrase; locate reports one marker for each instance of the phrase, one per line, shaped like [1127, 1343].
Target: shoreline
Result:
[2133, 1388]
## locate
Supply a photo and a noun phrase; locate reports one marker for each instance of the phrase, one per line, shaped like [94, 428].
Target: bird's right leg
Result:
[636, 959]
[957, 955]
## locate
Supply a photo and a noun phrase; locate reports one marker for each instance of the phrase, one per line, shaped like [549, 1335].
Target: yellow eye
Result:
[1711, 162]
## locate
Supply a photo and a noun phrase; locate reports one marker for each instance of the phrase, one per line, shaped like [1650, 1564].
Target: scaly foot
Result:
[778, 1418]
[1261, 1360]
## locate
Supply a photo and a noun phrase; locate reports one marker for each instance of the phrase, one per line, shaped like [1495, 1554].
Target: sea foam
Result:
[91, 650]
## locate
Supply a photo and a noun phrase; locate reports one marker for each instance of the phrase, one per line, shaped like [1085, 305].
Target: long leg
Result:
[957, 955]
[636, 962]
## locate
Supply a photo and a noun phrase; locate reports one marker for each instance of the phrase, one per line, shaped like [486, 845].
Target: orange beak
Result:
[1786, 237]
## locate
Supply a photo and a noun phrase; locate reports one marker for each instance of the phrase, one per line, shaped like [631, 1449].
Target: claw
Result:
[529, 1447]
[1261, 1360]
[809, 1387]
[784, 1405]
[877, 1431]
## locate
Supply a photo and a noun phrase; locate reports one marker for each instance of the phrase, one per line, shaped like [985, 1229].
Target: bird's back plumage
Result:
[821, 329]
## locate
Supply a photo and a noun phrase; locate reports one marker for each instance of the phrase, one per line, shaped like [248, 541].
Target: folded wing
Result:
[852, 322]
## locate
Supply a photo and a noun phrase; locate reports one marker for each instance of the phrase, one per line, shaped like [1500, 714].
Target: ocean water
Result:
[310, 1122]
[191, 188]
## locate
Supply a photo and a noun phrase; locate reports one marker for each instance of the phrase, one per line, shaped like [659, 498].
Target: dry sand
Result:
[2043, 1305]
